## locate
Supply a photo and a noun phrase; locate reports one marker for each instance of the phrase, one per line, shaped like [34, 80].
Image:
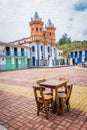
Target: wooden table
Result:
[54, 84]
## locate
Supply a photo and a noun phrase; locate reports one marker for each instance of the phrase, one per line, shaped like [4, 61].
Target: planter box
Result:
[79, 65]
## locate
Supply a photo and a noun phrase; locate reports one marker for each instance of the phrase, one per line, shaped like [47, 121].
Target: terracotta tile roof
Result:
[80, 49]
[10, 44]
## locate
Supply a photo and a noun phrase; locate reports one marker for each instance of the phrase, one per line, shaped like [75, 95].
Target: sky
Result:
[68, 16]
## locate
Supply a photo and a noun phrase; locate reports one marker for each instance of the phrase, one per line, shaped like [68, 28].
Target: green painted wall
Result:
[8, 64]
[28, 62]
[23, 65]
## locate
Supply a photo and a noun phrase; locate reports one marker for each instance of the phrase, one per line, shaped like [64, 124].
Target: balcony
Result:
[15, 53]
[22, 54]
[7, 53]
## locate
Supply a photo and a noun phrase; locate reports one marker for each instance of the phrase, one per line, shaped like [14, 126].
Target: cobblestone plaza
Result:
[18, 107]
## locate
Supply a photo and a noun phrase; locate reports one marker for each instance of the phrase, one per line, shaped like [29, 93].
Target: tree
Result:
[65, 39]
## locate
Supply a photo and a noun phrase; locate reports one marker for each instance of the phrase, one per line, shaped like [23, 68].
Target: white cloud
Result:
[15, 17]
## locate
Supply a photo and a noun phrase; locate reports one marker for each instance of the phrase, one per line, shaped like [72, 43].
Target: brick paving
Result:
[19, 112]
[28, 77]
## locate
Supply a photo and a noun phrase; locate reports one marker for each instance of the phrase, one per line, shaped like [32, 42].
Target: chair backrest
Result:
[63, 78]
[41, 80]
[69, 90]
[38, 92]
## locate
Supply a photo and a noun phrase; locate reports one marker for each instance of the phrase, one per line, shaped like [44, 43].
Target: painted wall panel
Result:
[8, 63]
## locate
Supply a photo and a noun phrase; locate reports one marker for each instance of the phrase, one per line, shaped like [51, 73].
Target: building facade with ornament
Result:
[43, 46]
[78, 56]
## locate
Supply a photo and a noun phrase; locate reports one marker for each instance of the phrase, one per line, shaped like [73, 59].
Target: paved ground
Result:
[18, 108]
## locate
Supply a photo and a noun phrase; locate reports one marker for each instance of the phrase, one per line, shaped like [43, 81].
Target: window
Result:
[2, 59]
[60, 53]
[71, 54]
[80, 52]
[41, 48]
[44, 34]
[32, 30]
[41, 29]
[48, 49]
[36, 28]
[48, 57]
[33, 48]
[85, 59]
[54, 50]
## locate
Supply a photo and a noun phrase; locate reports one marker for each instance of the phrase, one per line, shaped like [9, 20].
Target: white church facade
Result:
[43, 46]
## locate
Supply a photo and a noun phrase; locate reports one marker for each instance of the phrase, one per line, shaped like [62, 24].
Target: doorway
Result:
[33, 61]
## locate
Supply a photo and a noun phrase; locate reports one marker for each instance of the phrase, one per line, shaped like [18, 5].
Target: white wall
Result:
[2, 50]
[2, 61]
[83, 56]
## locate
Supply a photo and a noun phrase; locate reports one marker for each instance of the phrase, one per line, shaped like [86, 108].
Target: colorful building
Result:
[42, 42]
[33, 51]
[78, 56]
[14, 56]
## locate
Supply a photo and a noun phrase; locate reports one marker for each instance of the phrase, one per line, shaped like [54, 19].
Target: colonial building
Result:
[40, 49]
[78, 56]
[14, 56]
[42, 43]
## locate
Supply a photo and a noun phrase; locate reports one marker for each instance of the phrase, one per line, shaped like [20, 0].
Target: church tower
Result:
[36, 28]
[50, 31]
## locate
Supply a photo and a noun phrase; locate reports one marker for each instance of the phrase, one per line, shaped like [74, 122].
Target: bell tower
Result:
[50, 30]
[36, 27]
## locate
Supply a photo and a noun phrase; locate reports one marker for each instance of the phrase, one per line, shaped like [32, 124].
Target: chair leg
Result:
[62, 106]
[58, 107]
[46, 110]
[52, 106]
[68, 107]
[38, 109]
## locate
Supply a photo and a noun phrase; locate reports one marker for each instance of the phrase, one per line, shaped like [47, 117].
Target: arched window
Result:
[44, 34]
[48, 49]
[40, 29]
[54, 50]
[33, 48]
[41, 48]
[37, 29]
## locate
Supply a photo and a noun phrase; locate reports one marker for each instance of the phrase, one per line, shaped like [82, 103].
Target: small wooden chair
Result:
[44, 102]
[62, 89]
[39, 81]
[48, 92]
[64, 99]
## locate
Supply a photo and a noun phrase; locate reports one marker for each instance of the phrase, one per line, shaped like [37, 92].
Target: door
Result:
[33, 61]
[22, 63]
[73, 61]
[79, 60]
[28, 63]
[8, 63]
[16, 62]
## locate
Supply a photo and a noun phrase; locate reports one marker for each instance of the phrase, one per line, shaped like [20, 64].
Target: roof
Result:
[36, 17]
[80, 49]
[49, 23]
[23, 39]
[12, 45]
